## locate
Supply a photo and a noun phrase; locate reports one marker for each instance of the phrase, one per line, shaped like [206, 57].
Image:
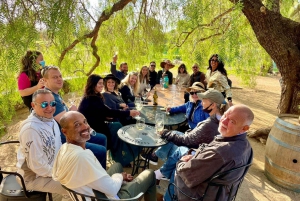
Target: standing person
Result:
[29, 78]
[152, 73]
[166, 66]
[123, 68]
[216, 77]
[74, 161]
[129, 87]
[144, 79]
[182, 77]
[39, 144]
[97, 113]
[229, 150]
[54, 82]
[197, 76]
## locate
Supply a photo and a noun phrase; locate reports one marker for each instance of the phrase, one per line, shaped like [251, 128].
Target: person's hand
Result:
[134, 113]
[127, 177]
[115, 58]
[41, 83]
[123, 105]
[186, 158]
[168, 109]
[109, 118]
[73, 108]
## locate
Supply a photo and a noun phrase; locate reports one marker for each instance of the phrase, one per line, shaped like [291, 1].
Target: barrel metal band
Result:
[287, 124]
[286, 145]
[281, 168]
[287, 130]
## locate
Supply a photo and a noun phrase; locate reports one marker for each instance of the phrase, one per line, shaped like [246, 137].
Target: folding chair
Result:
[81, 197]
[215, 181]
[11, 190]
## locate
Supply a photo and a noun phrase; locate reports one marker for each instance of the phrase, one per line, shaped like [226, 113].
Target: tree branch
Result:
[188, 33]
[94, 33]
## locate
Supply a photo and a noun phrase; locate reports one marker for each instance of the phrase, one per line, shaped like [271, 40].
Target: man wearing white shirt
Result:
[39, 143]
[77, 168]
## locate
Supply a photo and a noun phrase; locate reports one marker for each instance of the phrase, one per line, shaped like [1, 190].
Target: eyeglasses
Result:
[43, 72]
[152, 65]
[45, 104]
[194, 92]
[215, 60]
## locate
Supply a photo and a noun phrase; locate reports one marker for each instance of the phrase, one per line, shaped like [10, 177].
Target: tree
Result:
[280, 37]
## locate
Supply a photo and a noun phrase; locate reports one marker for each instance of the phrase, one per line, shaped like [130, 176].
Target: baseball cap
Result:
[213, 95]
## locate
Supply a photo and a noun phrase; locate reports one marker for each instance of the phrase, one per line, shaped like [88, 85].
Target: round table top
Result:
[144, 138]
[149, 112]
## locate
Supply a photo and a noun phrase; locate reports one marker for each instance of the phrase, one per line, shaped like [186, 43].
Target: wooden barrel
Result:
[282, 160]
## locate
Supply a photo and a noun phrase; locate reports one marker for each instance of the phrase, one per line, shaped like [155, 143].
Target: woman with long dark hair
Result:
[29, 79]
[98, 114]
[182, 77]
[216, 77]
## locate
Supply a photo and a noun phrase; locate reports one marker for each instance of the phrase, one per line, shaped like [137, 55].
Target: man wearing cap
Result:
[197, 76]
[192, 109]
[152, 73]
[228, 150]
[166, 66]
[123, 68]
[204, 133]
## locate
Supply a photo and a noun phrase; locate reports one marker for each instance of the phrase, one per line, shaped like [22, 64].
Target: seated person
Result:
[39, 143]
[54, 82]
[166, 65]
[113, 99]
[204, 132]
[229, 150]
[192, 108]
[129, 87]
[183, 76]
[74, 161]
[97, 114]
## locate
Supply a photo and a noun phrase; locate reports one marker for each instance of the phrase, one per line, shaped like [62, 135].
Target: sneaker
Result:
[165, 178]
[151, 157]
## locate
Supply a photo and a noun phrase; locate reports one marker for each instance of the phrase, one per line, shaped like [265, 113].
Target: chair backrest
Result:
[218, 179]
[13, 188]
[82, 197]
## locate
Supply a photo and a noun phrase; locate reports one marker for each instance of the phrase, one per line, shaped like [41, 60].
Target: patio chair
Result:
[11, 190]
[82, 197]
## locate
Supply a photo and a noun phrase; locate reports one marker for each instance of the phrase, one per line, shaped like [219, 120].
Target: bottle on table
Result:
[155, 96]
[166, 81]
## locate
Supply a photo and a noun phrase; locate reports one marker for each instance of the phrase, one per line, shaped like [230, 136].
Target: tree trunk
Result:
[280, 37]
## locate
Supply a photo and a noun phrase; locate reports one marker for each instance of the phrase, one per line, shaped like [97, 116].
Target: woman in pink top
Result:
[29, 78]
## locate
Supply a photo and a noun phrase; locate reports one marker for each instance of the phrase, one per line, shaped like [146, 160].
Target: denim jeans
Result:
[169, 167]
[168, 149]
[97, 144]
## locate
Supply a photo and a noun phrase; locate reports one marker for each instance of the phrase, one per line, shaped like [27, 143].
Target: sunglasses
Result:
[215, 60]
[45, 104]
[194, 92]
[153, 65]
[43, 72]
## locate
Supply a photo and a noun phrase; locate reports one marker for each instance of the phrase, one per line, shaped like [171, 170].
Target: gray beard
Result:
[43, 119]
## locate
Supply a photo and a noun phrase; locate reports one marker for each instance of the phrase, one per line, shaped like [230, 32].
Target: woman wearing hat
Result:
[166, 65]
[192, 108]
[113, 98]
[182, 77]
[216, 77]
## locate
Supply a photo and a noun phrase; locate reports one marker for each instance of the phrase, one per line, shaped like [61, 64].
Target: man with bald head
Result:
[77, 168]
[228, 150]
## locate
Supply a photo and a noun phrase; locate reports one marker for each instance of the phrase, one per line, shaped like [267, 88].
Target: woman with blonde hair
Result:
[144, 79]
[129, 87]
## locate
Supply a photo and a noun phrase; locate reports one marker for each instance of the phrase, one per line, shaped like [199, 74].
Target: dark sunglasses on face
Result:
[153, 65]
[194, 92]
[45, 104]
[215, 60]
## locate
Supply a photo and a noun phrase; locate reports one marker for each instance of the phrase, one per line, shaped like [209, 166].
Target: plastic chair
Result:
[82, 197]
[10, 189]
[215, 181]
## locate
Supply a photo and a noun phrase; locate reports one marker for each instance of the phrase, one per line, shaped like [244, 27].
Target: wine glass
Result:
[148, 87]
[72, 98]
[159, 125]
[140, 124]
[138, 105]
[144, 96]
[179, 86]
[163, 84]
[168, 105]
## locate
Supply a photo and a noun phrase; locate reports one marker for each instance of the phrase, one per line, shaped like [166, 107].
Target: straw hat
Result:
[167, 61]
[198, 86]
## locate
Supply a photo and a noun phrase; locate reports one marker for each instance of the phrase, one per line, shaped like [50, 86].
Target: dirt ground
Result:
[262, 100]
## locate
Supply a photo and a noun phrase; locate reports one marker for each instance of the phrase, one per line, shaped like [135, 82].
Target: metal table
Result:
[145, 138]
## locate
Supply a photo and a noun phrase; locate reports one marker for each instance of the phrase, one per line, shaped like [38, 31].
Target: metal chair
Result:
[81, 197]
[10, 189]
[215, 181]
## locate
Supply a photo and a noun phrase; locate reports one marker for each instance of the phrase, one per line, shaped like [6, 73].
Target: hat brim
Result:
[195, 88]
[162, 64]
[112, 78]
